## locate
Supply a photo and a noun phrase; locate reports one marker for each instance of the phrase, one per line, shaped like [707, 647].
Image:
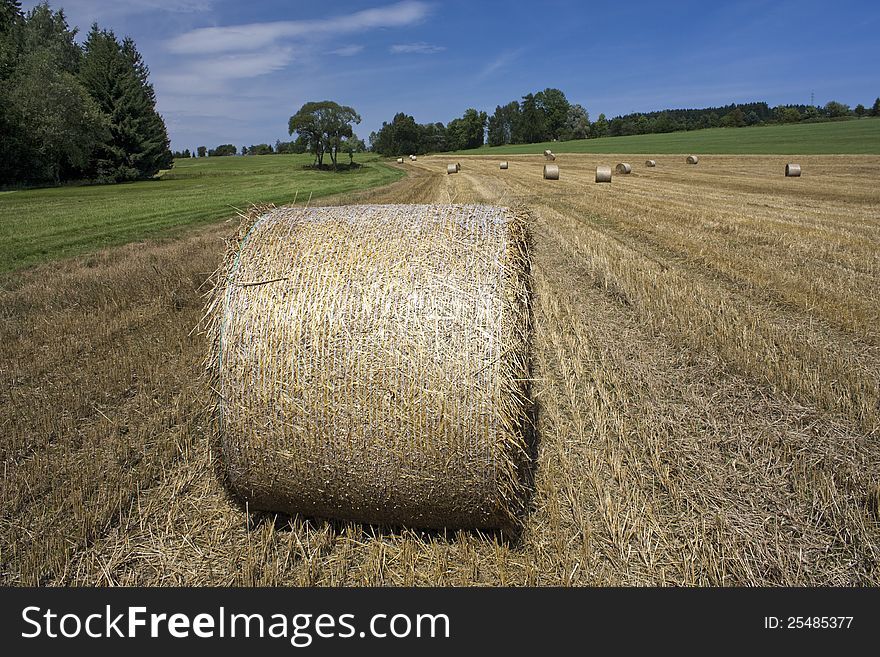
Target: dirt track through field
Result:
[706, 363]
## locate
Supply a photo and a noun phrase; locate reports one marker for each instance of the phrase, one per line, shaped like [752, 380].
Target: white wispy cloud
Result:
[208, 75]
[499, 62]
[256, 36]
[420, 48]
[347, 51]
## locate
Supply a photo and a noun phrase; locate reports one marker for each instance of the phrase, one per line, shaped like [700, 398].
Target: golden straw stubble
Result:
[372, 364]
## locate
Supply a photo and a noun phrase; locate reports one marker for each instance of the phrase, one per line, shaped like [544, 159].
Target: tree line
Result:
[735, 115]
[548, 116]
[71, 112]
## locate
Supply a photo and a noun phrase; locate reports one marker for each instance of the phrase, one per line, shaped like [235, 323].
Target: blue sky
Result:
[230, 71]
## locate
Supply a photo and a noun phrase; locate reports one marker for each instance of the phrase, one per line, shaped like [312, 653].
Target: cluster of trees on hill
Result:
[403, 136]
[70, 112]
[542, 116]
[548, 115]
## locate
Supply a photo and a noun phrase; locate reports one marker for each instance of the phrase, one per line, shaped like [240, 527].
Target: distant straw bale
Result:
[692, 159]
[400, 160]
[623, 167]
[451, 168]
[650, 163]
[503, 165]
[603, 173]
[551, 172]
[371, 364]
[792, 170]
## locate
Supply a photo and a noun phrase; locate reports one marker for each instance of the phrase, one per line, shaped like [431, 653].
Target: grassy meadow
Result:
[857, 137]
[37, 225]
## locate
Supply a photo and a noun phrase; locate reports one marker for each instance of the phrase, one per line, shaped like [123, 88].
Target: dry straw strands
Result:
[623, 167]
[792, 170]
[603, 174]
[650, 163]
[503, 165]
[551, 172]
[451, 168]
[692, 159]
[372, 363]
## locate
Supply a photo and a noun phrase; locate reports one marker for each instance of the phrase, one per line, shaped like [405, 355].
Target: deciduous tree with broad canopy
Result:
[325, 126]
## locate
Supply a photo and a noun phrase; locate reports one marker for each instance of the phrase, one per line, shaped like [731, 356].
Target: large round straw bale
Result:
[400, 160]
[551, 172]
[413, 158]
[792, 170]
[451, 168]
[603, 174]
[371, 364]
[548, 153]
[692, 159]
[650, 163]
[623, 167]
[503, 165]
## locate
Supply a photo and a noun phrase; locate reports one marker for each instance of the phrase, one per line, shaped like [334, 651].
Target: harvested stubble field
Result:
[707, 358]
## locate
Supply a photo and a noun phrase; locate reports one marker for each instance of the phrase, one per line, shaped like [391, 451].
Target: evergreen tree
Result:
[117, 78]
[875, 108]
[530, 127]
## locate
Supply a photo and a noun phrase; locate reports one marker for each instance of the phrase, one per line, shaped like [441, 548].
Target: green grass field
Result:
[45, 224]
[857, 137]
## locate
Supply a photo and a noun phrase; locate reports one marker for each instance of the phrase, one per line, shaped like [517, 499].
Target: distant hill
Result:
[854, 137]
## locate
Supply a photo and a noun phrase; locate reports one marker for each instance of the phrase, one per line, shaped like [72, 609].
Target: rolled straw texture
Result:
[603, 174]
[792, 170]
[503, 165]
[650, 163]
[551, 172]
[692, 159]
[623, 167]
[372, 364]
[400, 160]
[451, 168]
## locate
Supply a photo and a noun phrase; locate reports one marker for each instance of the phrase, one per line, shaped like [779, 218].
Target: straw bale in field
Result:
[551, 172]
[792, 170]
[603, 173]
[623, 167]
[451, 168]
[650, 163]
[692, 159]
[503, 165]
[371, 363]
